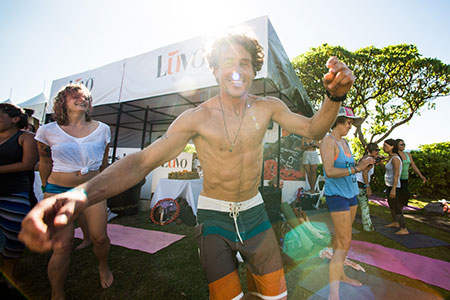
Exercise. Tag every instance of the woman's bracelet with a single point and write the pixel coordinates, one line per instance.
(349, 170)
(79, 189)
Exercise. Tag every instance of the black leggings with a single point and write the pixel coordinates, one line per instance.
(396, 207)
(394, 204)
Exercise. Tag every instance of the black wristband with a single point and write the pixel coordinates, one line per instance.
(335, 98)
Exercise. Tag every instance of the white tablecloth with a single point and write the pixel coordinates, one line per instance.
(172, 188)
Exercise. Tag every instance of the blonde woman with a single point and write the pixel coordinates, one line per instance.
(73, 150)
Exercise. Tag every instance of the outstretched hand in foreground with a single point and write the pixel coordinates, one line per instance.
(50, 215)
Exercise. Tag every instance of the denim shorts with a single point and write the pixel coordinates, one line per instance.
(339, 203)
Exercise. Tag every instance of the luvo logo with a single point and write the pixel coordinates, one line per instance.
(176, 163)
(176, 62)
(89, 83)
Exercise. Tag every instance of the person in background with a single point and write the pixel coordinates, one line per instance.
(310, 161)
(196, 165)
(340, 192)
(365, 191)
(407, 161)
(392, 182)
(73, 150)
(30, 128)
(18, 155)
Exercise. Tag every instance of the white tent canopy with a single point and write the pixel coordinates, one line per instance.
(7, 101)
(38, 104)
(140, 96)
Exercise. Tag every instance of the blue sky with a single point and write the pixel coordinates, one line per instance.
(49, 39)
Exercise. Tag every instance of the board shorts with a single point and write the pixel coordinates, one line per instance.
(225, 227)
(310, 158)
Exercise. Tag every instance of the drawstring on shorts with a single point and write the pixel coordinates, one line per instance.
(234, 213)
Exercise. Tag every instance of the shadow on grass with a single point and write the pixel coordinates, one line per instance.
(176, 273)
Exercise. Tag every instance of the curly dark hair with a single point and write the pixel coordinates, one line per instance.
(14, 111)
(60, 105)
(250, 44)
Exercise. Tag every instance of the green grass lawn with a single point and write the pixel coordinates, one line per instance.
(175, 272)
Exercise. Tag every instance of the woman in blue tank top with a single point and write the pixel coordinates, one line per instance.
(340, 192)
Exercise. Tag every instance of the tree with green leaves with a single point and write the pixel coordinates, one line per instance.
(392, 84)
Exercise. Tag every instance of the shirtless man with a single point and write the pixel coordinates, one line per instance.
(228, 132)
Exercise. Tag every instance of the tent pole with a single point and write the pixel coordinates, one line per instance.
(151, 133)
(279, 152)
(116, 136)
(145, 128)
(262, 173)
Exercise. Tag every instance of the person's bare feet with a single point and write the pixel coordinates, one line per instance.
(402, 231)
(350, 281)
(393, 224)
(58, 295)
(333, 297)
(83, 244)
(106, 277)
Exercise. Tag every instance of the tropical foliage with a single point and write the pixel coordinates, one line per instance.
(392, 84)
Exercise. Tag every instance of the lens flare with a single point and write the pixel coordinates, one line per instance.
(235, 76)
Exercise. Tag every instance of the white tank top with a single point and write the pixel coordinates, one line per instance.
(389, 175)
(359, 175)
(72, 154)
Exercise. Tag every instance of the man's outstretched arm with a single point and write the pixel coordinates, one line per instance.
(337, 82)
(52, 213)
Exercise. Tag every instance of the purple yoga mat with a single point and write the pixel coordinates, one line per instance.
(137, 239)
(383, 202)
(429, 270)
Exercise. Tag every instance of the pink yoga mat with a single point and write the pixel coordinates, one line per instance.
(137, 239)
(429, 270)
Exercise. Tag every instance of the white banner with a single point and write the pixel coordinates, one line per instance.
(104, 83)
(171, 69)
(180, 67)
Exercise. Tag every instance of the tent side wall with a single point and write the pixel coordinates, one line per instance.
(282, 74)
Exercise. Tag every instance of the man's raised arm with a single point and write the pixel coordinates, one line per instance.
(57, 211)
(337, 82)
